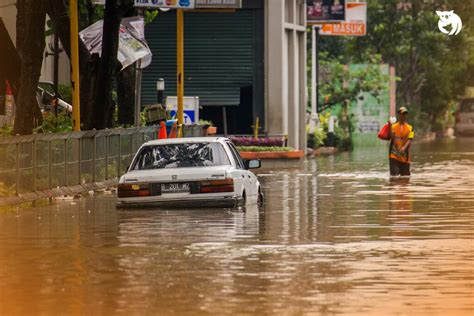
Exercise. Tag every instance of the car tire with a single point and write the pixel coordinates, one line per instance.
(260, 199)
(243, 201)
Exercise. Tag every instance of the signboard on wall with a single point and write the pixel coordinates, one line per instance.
(191, 108)
(369, 126)
(218, 4)
(325, 11)
(174, 4)
(355, 24)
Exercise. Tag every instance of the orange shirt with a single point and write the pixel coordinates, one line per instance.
(401, 133)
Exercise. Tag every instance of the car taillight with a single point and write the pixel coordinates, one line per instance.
(133, 190)
(216, 186)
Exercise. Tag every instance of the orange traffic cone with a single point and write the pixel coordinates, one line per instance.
(162, 132)
(173, 132)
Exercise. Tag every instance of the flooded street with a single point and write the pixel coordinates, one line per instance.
(337, 236)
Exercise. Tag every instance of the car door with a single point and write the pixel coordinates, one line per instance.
(239, 167)
(250, 180)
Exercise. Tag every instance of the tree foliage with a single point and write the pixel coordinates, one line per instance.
(342, 84)
(433, 68)
(97, 75)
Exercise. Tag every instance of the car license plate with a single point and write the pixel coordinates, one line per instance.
(174, 187)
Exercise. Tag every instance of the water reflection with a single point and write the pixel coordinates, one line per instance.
(335, 237)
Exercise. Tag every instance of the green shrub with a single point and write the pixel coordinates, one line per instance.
(53, 124)
(310, 141)
(319, 137)
(205, 122)
(66, 92)
(324, 120)
(6, 130)
(342, 139)
(6, 191)
(316, 139)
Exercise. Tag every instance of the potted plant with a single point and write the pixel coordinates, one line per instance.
(208, 127)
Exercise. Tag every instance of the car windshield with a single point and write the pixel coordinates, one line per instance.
(181, 156)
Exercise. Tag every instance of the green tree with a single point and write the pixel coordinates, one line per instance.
(100, 77)
(342, 85)
(433, 68)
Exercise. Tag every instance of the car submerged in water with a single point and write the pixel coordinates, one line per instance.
(190, 172)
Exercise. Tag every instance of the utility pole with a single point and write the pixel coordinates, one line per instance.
(180, 70)
(56, 66)
(76, 106)
(314, 119)
(137, 120)
(138, 94)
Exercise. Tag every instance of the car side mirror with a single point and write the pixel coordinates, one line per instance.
(254, 164)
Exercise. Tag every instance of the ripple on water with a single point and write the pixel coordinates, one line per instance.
(335, 237)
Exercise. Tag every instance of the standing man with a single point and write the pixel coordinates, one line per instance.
(401, 136)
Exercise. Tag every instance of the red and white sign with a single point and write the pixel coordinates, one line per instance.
(355, 24)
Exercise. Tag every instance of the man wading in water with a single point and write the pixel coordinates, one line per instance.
(401, 136)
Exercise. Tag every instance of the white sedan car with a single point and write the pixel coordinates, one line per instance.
(196, 172)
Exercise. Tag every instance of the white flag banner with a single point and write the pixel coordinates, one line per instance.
(132, 43)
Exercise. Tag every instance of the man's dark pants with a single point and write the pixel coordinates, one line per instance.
(398, 168)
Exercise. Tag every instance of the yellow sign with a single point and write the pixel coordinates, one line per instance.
(354, 29)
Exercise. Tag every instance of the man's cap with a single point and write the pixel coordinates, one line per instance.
(403, 110)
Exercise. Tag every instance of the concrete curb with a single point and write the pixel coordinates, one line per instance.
(56, 192)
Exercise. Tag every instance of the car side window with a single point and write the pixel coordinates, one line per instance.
(236, 155)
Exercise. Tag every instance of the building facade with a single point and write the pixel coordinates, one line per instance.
(243, 64)
(285, 70)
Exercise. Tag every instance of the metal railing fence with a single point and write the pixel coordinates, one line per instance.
(45, 162)
(47, 165)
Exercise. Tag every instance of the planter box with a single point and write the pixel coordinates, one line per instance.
(295, 154)
(210, 130)
(324, 151)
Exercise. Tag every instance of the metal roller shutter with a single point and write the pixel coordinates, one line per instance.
(222, 52)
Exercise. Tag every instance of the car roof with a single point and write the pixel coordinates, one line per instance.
(185, 140)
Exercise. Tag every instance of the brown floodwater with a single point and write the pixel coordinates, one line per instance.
(337, 236)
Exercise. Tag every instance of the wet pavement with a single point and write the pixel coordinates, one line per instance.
(335, 237)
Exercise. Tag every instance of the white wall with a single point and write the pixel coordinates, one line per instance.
(47, 70)
(285, 70)
(8, 14)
